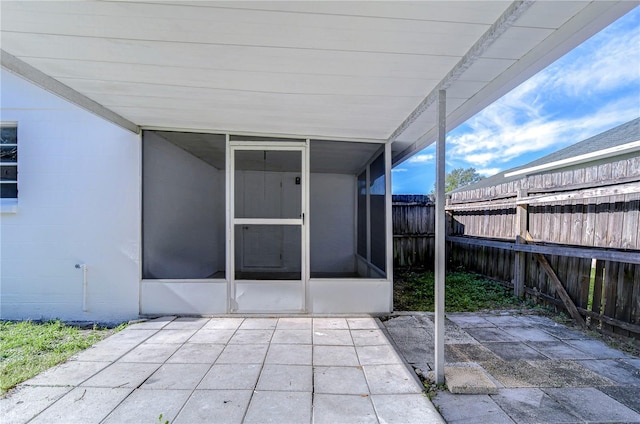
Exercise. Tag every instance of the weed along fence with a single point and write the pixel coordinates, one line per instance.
(567, 238)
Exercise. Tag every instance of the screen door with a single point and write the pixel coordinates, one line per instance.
(268, 188)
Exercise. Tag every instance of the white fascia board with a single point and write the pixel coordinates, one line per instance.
(632, 147)
(42, 80)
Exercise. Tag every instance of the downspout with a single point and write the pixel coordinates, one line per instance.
(85, 286)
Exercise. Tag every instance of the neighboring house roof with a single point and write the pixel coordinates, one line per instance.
(355, 71)
(618, 136)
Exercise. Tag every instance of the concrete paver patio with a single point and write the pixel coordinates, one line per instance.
(230, 370)
(533, 369)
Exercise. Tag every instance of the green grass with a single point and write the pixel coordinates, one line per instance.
(464, 292)
(28, 348)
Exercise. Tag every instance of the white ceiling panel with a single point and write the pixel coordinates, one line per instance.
(314, 68)
(236, 80)
(286, 61)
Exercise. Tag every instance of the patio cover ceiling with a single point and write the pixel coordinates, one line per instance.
(328, 70)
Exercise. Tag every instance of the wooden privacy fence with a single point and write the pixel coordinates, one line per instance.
(568, 239)
(413, 231)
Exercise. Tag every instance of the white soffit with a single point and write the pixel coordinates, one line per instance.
(319, 69)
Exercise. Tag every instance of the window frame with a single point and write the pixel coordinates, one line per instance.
(9, 204)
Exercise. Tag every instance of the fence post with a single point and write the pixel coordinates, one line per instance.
(520, 229)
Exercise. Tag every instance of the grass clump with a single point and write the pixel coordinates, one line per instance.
(28, 348)
(464, 292)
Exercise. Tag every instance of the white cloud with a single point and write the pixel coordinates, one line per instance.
(488, 172)
(489, 143)
(399, 170)
(421, 158)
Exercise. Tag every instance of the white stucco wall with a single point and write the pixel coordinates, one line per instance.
(79, 202)
(183, 213)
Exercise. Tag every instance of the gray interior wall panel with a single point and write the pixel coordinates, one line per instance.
(333, 235)
(183, 213)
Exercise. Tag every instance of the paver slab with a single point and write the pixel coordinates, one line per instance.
(388, 379)
(332, 337)
(151, 353)
(543, 374)
(527, 334)
(626, 395)
(563, 333)
(286, 378)
(362, 323)
(279, 407)
(378, 355)
(131, 336)
(296, 354)
(83, 405)
(533, 406)
(344, 409)
(469, 320)
(558, 350)
(223, 324)
(295, 324)
(186, 323)
(292, 336)
(251, 336)
(152, 324)
(515, 352)
(416, 335)
(104, 351)
(122, 374)
(403, 321)
(469, 353)
(330, 324)
(504, 320)
(231, 377)
(215, 406)
(70, 373)
(176, 376)
(615, 370)
(171, 336)
(469, 380)
(592, 405)
(491, 334)
(24, 403)
(402, 409)
(340, 380)
(477, 409)
(196, 353)
(259, 324)
(597, 349)
(416, 352)
(335, 355)
(145, 406)
(369, 337)
(243, 354)
(212, 336)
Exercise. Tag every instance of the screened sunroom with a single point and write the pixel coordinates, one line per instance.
(251, 224)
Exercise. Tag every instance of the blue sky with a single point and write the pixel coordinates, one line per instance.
(589, 90)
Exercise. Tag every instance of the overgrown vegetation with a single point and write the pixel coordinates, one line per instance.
(28, 348)
(464, 292)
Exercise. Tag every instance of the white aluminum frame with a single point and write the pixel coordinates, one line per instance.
(232, 221)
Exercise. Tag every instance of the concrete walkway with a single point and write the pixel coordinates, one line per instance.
(230, 370)
(524, 369)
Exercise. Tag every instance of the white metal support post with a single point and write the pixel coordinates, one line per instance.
(440, 248)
